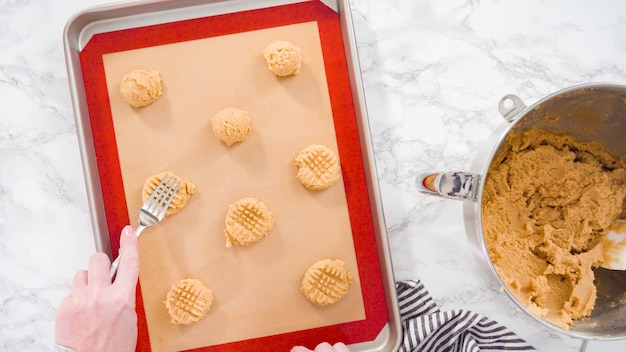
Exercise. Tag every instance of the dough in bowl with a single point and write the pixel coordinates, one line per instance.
(547, 201)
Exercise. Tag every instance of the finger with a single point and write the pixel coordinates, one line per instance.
(324, 347)
(98, 273)
(300, 349)
(80, 280)
(128, 271)
(341, 347)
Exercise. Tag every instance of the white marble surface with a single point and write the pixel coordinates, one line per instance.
(433, 73)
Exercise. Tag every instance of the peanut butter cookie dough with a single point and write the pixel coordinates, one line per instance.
(326, 282)
(318, 167)
(181, 198)
(140, 87)
(283, 58)
(231, 125)
(247, 221)
(548, 198)
(188, 301)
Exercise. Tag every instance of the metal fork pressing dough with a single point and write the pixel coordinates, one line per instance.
(153, 210)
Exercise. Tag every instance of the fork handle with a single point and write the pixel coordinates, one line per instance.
(116, 262)
(114, 266)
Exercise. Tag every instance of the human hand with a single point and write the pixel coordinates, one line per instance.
(99, 315)
(323, 347)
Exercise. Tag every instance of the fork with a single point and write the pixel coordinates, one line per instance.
(153, 210)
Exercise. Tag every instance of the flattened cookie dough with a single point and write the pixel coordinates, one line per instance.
(283, 58)
(140, 87)
(548, 198)
(181, 198)
(326, 282)
(318, 167)
(231, 125)
(247, 221)
(188, 301)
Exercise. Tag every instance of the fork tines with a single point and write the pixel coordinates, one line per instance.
(162, 195)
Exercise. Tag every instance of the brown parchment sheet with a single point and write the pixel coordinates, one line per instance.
(256, 288)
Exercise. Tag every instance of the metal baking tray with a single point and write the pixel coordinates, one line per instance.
(107, 28)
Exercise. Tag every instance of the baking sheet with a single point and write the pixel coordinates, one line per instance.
(112, 186)
(256, 287)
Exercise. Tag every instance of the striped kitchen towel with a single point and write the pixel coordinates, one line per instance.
(427, 329)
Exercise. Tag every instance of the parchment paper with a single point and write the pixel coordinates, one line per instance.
(257, 288)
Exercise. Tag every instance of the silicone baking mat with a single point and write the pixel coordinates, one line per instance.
(208, 64)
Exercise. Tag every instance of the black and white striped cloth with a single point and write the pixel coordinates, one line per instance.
(428, 329)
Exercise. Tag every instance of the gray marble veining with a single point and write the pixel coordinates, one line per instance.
(433, 72)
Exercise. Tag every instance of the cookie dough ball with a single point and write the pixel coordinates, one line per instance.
(326, 282)
(248, 220)
(231, 125)
(188, 301)
(283, 58)
(181, 198)
(140, 87)
(318, 167)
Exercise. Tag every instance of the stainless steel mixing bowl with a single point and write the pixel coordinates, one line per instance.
(590, 112)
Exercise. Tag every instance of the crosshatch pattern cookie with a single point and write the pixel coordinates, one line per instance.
(140, 87)
(326, 282)
(181, 198)
(318, 167)
(247, 221)
(231, 125)
(188, 301)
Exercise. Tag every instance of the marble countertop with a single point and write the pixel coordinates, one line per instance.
(433, 73)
